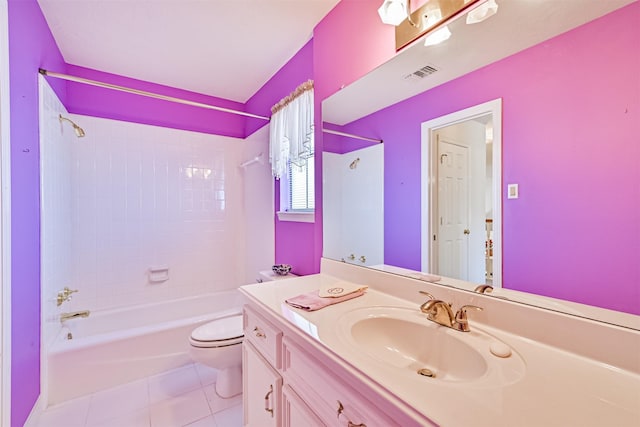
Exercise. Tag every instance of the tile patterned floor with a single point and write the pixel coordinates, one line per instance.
(182, 397)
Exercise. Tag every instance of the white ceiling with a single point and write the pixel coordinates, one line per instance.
(223, 48)
(519, 24)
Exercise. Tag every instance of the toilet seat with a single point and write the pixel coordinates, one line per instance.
(218, 333)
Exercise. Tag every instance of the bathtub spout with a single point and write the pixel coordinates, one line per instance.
(73, 315)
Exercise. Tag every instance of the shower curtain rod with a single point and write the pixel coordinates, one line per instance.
(350, 135)
(147, 94)
(176, 100)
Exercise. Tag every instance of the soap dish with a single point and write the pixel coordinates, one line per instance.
(281, 269)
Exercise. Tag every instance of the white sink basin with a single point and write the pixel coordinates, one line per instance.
(403, 340)
(415, 346)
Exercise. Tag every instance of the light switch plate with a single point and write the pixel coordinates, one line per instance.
(512, 191)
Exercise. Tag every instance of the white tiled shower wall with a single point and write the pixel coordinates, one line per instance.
(146, 197)
(56, 229)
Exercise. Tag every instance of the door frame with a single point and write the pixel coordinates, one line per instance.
(5, 221)
(429, 185)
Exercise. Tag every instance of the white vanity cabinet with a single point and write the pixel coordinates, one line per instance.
(288, 381)
(262, 388)
(261, 381)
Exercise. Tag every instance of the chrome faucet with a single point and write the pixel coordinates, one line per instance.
(73, 315)
(440, 312)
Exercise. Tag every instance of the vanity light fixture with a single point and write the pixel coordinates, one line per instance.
(482, 12)
(426, 19)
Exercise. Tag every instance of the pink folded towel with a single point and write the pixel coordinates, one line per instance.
(312, 301)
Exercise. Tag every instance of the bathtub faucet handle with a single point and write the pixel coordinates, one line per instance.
(74, 315)
(64, 295)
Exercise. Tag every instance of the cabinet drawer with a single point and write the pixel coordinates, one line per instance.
(264, 336)
(333, 398)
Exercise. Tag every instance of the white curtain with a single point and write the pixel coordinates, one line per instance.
(291, 133)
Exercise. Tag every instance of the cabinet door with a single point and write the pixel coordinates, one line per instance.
(262, 388)
(295, 412)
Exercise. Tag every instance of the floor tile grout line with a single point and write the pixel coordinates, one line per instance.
(91, 398)
(86, 416)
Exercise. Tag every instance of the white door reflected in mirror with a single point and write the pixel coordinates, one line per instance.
(461, 176)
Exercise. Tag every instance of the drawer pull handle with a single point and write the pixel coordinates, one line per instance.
(259, 333)
(340, 411)
(266, 401)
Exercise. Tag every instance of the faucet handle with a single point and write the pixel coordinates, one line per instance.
(64, 295)
(463, 309)
(427, 294)
(461, 317)
(426, 307)
(483, 289)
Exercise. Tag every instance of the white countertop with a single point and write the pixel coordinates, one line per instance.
(558, 388)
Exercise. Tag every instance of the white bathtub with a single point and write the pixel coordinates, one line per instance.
(113, 347)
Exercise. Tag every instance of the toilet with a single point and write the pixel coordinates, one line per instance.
(218, 344)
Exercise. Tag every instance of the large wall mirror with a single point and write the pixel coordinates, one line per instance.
(551, 90)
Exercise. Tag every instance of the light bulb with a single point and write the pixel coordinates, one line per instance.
(482, 12)
(437, 36)
(393, 12)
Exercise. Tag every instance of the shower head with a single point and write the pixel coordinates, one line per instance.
(354, 164)
(77, 129)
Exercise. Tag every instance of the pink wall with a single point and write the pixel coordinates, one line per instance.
(577, 122)
(31, 46)
(106, 103)
(570, 140)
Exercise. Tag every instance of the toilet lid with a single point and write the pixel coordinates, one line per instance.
(225, 331)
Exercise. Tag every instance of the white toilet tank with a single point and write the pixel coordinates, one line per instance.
(268, 276)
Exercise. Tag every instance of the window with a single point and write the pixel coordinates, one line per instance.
(297, 189)
(297, 197)
(291, 153)
(301, 189)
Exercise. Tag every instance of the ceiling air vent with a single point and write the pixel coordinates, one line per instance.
(421, 73)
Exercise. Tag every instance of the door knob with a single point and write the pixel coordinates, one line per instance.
(467, 231)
